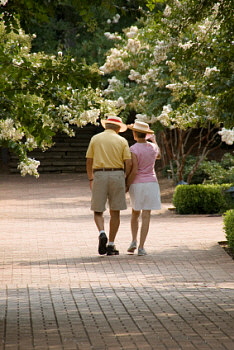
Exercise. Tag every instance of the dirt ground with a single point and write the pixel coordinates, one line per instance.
(167, 188)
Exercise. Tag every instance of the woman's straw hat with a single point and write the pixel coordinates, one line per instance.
(141, 127)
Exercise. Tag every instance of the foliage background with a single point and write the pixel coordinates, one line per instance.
(68, 62)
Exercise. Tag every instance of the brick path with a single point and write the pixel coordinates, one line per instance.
(56, 292)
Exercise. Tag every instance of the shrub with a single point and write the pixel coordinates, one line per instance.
(229, 227)
(202, 199)
(209, 171)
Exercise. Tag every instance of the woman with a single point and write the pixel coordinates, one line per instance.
(142, 182)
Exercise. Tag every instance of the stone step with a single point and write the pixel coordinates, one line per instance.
(66, 155)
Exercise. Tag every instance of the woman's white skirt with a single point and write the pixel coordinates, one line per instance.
(145, 196)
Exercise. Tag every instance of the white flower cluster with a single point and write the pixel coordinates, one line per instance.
(209, 70)
(135, 76)
(114, 61)
(47, 121)
(186, 45)
(167, 11)
(115, 19)
(160, 51)
(112, 36)
(205, 26)
(3, 2)
(29, 166)
(64, 112)
(31, 143)
(89, 116)
(151, 74)
(17, 62)
(8, 130)
(133, 45)
(174, 87)
(113, 106)
(131, 32)
(114, 84)
(143, 118)
(164, 118)
(227, 135)
(120, 104)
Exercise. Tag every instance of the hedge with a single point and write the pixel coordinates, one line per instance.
(229, 227)
(202, 199)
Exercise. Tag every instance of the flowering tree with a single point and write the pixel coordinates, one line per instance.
(175, 70)
(42, 95)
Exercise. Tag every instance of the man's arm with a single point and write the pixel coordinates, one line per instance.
(127, 167)
(89, 168)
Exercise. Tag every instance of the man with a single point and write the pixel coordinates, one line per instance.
(108, 163)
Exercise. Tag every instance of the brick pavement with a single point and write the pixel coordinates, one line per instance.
(56, 292)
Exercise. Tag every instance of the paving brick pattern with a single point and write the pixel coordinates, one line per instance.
(56, 292)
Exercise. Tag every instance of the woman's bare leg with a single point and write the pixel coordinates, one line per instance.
(135, 223)
(144, 226)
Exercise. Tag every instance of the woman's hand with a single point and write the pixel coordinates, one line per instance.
(151, 137)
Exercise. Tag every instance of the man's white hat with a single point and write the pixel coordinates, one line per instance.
(112, 119)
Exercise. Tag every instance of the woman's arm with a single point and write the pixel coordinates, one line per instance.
(151, 137)
(130, 178)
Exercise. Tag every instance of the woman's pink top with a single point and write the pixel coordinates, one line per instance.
(146, 155)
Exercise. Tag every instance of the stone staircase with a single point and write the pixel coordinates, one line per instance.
(67, 154)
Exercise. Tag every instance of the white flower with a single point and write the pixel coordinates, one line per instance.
(115, 61)
(209, 70)
(116, 18)
(29, 166)
(17, 62)
(8, 131)
(227, 135)
(160, 51)
(164, 118)
(134, 76)
(120, 103)
(90, 116)
(186, 46)
(167, 11)
(131, 32)
(114, 83)
(31, 143)
(174, 87)
(112, 36)
(142, 118)
(150, 75)
(133, 45)
(3, 2)
(60, 53)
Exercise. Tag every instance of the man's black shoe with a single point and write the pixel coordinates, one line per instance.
(110, 250)
(102, 243)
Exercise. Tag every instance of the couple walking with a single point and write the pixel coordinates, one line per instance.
(113, 169)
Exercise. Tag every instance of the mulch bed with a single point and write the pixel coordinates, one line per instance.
(228, 250)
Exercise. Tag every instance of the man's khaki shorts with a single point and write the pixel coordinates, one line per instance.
(108, 186)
